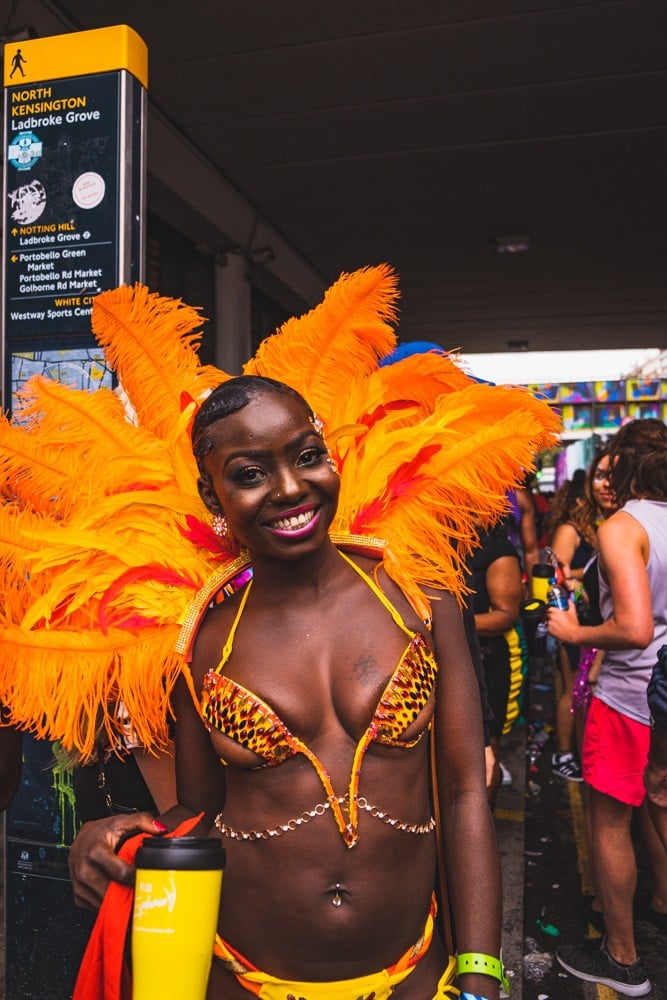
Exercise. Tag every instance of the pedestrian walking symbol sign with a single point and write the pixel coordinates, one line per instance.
(17, 64)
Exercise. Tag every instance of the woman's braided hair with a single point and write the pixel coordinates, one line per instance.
(227, 398)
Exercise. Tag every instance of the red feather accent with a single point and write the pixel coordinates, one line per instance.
(134, 622)
(204, 537)
(370, 419)
(156, 574)
(131, 488)
(367, 515)
(403, 482)
(406, 473)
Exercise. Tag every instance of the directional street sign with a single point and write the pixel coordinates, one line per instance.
(74, 177)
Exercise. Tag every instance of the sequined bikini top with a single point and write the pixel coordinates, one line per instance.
(235, 711)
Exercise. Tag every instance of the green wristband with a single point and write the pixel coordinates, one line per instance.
(487, 965)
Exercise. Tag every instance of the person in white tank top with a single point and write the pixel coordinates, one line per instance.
(633, 601)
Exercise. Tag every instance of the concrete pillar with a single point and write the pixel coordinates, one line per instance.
(233, 341)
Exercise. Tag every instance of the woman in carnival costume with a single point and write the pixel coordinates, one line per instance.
(335, 684)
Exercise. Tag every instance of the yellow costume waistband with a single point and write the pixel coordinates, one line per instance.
(376, 986)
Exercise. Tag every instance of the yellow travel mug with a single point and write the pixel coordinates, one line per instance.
(541, 576)
(175, 916)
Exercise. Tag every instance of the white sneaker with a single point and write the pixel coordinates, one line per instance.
(506, 776)
(565, 766)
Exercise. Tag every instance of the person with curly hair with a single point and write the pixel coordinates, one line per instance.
(599, 503)
(573, 542)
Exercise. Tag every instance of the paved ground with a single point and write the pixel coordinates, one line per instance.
(510, 826)
(546, 869)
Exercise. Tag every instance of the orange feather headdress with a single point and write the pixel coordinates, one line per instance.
(106, 550)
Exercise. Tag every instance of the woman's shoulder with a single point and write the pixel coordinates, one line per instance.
(622, 531)
(213, 630)
(221, 609)
(565, 530)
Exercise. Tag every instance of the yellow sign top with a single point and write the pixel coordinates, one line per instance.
(79, 53)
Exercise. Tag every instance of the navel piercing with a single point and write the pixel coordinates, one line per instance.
(337, 897)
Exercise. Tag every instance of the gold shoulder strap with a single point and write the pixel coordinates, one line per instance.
(216, 582)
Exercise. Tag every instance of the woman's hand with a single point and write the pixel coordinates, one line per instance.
(563, 625)
(93, 861)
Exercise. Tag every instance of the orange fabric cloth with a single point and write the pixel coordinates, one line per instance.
(103, 974)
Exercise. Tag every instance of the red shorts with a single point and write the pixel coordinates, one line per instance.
(615, 753)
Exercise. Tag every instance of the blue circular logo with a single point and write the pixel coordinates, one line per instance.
(24, 151)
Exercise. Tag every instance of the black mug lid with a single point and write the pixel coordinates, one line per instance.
(543, 570)
(533, 606)
(187, 853)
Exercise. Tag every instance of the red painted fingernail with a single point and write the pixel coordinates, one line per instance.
(160, 826)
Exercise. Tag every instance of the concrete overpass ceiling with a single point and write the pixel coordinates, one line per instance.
(418, 132)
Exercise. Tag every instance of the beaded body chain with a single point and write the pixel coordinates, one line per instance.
(319, 810)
